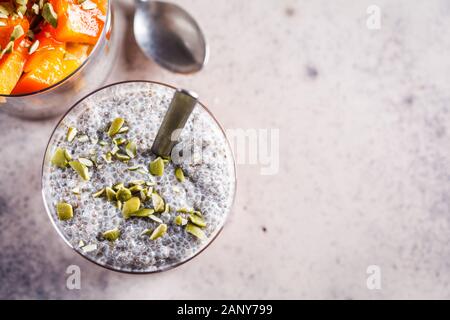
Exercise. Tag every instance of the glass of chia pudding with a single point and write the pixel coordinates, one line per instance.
(121, 206)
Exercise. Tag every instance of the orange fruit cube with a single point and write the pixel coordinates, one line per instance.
(76, 24)
(11, 68)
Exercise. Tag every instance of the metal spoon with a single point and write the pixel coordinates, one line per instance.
(170, 36)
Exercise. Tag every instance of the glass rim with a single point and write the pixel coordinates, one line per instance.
(211, 240)
(77, 70)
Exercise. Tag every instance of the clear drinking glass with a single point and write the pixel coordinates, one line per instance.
(56, 99)
(111, 96)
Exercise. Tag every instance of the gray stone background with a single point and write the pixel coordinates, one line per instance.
(364, 159)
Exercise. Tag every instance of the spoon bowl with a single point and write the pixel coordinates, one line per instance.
(170, 36)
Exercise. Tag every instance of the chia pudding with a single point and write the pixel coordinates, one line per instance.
(117, 203)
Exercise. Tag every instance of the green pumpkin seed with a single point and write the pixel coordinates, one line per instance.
(142, 213)
(197, 213)
(147, 232)
(81, 169)
(122, 157)
(123, 194)
(179, 174)
(143, 195)
(67, 155)
(71, 132)
(159, 232)
(136, 189)
(130, 207)
(114, 150)
(195, 231)
(107, 157)
(115, 127)
(21, 10)
(197, 220)
(21, 2)
(35, 8)
(119, 205)
(119, 141)
(137, 182)
(134, 168)
(83, 138)
(131, 149)
(180, 221)
(155, 218)
(4, 10)
(98, 193)
(89, 248)
(142, 171)
(158, 202)
(94, 160)
(76, 191)
(118, 186)
(49, 14)
(167, 208)
(123, 130)
(167, 159)
(110, 194)
(157, 167)
(86, 162)
(59, 158)
(17, 33)
(64, 211)
(8, 49)
(111, 235)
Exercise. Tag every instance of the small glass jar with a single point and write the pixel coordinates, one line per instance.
(56, 99)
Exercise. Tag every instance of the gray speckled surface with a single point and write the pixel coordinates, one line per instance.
(365, 163)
